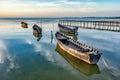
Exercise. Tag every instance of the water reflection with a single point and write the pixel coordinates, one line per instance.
(21, 57)
(78, 64)
(37, 35)
(3, 52)
(51, 36)
(7, 61)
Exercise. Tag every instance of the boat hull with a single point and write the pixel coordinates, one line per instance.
(78, 64)
(38, 29)
(67, 30)
(80, 55)
(24, 25)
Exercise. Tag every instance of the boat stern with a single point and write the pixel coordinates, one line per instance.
(93, 58)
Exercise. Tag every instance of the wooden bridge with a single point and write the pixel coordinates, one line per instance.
(100, 25)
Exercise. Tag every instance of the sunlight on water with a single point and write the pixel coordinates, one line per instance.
(23, 57)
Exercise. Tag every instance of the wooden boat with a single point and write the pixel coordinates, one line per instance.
(78, 64)
(70, 35)
(24, 25)
(77, 49)
(37, 35)
(70, 30)
(37, 28)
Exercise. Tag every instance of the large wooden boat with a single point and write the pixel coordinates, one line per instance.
(37, 28)
(78, 64)
(70, 30)
(77, 49)
(24, 25)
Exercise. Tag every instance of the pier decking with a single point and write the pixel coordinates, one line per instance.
(99, 25)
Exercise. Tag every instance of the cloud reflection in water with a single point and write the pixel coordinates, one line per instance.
(6, 58)
(50, 55)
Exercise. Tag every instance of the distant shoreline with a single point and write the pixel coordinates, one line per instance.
(26, 18)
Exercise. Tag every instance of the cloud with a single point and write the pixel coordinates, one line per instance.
(69, 2)
(56, 8)
(16, 5)
(76, 3)
(50, 4)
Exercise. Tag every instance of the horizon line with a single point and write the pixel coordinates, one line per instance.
(67, 17)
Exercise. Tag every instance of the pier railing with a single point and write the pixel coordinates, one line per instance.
(100, 25)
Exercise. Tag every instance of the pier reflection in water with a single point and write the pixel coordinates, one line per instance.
(79, 65)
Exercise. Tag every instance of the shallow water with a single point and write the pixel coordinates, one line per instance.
(22, 57)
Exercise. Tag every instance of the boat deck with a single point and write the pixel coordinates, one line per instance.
(77, 45)
(78, 48)
(68, 28)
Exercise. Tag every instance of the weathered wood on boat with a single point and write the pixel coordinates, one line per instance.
(69, 30)
(73, 36)
(77, 49)
(78, 64)
(37, 28)
(90, 24)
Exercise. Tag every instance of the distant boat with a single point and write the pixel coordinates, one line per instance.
(70, 30)
(24, 25)
(37, 28)
(77, 49)
(78, 64)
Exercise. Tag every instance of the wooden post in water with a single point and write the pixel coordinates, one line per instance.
(119, 27)
(41, 23)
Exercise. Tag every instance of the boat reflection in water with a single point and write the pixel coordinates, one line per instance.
(78, 64)
(37, 35)
(73, 36)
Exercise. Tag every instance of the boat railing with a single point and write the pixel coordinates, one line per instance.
(81, 45)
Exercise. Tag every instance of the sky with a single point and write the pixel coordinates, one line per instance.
(59, 8)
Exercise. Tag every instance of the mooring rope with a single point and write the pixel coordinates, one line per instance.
(105, 63)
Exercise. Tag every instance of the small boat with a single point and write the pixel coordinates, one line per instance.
(37, 35)
(37, 28)
(77, 49)
(70, 35)
(24, 25)
(70, 30)
(78, 64)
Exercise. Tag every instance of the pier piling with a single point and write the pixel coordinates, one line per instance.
(99, 25)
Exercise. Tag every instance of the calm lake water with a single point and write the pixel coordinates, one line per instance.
(22, 57)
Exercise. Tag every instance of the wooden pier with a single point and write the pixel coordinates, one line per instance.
(99, 25)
